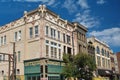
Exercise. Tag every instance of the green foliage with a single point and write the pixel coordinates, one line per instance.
(81, 65)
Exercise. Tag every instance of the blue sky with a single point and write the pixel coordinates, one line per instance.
(101, 17)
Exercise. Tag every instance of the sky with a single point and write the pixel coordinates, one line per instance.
(101, 17)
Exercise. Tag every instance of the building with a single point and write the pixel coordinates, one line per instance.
(118, 60)
(117, 64)
(115, 67)
(41, 38)
(102, 57)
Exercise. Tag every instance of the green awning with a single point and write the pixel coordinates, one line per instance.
(53, 74)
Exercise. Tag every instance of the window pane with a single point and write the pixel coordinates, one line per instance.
(64, 38)
(1, 40)
(55, 50)
(15, 37)
(19, 35)
(31, 32)
(19, 56)
(46, 30)
(4, 39)
(58, 35)
(51, 51)
(59, 53)
(36, 31)
(47, 50)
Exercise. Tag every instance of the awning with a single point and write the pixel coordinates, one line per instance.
(53, 74)
(105, 72)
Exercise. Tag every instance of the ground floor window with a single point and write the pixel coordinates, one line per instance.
(33, 78)
(53, 78)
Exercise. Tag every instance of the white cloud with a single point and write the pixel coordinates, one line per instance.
(46, 2)
(70, 5)
(86, 19)
(101, 1)
(83, 4)
(110, 36)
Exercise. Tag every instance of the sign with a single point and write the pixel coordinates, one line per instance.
(32, 63)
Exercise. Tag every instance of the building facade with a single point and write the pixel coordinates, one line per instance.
(118, 61)
(102, 58)
(41, 38)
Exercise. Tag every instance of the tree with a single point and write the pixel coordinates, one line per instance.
(85, 65)
(81, 66)
(69, 68)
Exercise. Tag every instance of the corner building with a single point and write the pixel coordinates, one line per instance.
(41, 38)
(103, 55)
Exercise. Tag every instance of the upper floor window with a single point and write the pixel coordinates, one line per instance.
(19, 56)
(63, 37)
(46, 30)
(1, 40)
(15, 36)
(0, 58)
(19, 35)
(68, 39)
(47, 50)
(5, 39)
(53, 33)
(108, 54)
(59, 53)
(3, 57)
(98, 50)
(98, 61)
(31, 32)
(36, 31)
(102, 51)
(58, 35)
(105, 53)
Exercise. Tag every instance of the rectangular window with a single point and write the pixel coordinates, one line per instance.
(19, 35)
(63, 37)
(98, 61)
(47, 50)
(68, 39)
(58, 35)
(15, 36)
(19, 56)
(31, 32)
(64, 49)
(54, 33)
(59, 53)
(69, 50)
(5, 39)
(103, 62)
(36, 31)
(3, 57)
(55, 50)
(1, 40)
(0, 58)
(46, 30)
(51, 52)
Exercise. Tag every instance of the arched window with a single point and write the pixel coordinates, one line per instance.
(98, 50)
(107, 53)
(102, 51)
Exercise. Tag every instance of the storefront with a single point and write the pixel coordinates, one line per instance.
(106, 73)
(32, 70)
(38, 68)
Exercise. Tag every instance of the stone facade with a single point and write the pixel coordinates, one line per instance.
(103, 55)
(43, 36)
